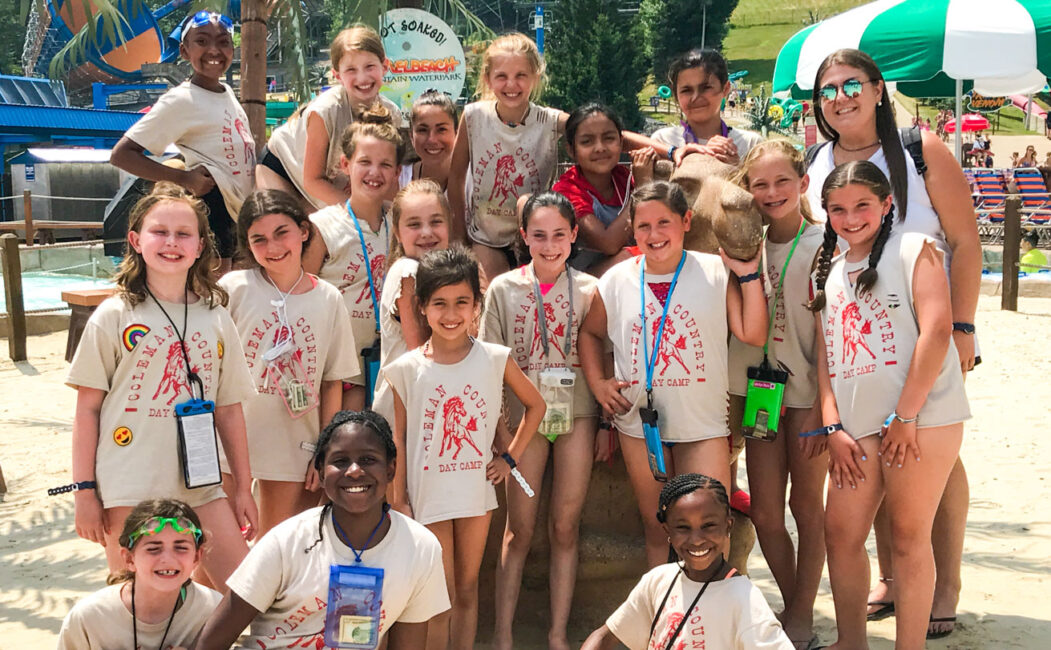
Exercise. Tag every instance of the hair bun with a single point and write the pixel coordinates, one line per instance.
(377, 113)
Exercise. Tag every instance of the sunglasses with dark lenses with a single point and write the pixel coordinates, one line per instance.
(204, 17)
(851, 88)
(156, 525)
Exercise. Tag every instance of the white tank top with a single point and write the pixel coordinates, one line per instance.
(392, 340)
(451, 415)
(870, 339)
(690, 374)
(793, 336)
(919, 214)
(507, 162)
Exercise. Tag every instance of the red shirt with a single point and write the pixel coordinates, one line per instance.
(585, 198)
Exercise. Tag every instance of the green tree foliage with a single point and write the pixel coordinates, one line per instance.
(594, 53)
(12, 34)
(675, 26)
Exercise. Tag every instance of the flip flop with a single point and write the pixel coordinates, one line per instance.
(885, 610)
(944, 633)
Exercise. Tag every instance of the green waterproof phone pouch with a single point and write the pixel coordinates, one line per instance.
(763, 402)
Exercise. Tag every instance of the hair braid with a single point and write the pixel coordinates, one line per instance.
(683, 484)
(868, 277)
(824, 265)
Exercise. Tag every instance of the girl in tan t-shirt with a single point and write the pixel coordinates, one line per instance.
(447, 397)
(549, 289)
(775, 174)
(891, 394)
(351, 240)
(164, 339)
(153, 602)
(298, 343)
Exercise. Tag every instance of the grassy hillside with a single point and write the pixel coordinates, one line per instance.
(759, 28)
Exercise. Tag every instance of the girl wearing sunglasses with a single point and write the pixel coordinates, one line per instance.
(854, 112)
(152, 603)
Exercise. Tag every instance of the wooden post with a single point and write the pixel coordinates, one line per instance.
(1012, 240)
(16, 310)
(27, 202)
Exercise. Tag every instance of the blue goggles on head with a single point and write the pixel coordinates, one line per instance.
(204, 17)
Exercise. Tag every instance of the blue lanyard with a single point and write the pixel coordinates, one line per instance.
(368, 263)
(651, 364)
(343, 536)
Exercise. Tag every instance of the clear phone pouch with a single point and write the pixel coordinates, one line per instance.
(355, 599)
(556, 387)
(284, 369)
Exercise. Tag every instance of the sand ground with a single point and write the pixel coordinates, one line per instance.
(45, 568)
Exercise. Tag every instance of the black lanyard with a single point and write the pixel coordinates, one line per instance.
(135, 621)
(191, 376)
(686, 613)
(541, 316)
(343, 536)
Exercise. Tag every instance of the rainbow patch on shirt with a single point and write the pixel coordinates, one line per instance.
(132, 335)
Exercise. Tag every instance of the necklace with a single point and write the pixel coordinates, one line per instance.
(848, 149)
(135, 621)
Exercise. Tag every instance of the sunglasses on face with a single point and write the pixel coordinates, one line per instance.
(157, 524)
(204, 17)
(851, 88)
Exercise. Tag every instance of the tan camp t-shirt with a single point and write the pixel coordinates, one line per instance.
(510, 318)
(288, 584)
(102, 622)
(451, 412)
(279, 446)
(793, 337)
(133, 354)
(345, 268)
(731, 615)
(289, 141)
(690, 372)
(209, 129)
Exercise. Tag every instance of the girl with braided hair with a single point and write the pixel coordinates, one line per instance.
(891, 389)
(700, 601)
(282, 588)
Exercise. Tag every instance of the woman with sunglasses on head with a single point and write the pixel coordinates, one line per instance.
(854, 112)
(152, 603)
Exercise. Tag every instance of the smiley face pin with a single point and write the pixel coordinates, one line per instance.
(122, 436)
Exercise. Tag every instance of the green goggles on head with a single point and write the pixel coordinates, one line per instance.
(157, 524)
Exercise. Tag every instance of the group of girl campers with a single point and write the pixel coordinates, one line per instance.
(367, 525)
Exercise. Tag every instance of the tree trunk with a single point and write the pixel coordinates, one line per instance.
(253, 67)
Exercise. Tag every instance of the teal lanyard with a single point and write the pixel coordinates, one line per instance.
(652, 363)
(780, 283)
(368, 263)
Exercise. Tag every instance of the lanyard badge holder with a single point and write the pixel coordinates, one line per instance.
(371, 354)
(556, 384)
(649, 416)
(194, 419)
(284, 364)
(764, 399)
(355, 598)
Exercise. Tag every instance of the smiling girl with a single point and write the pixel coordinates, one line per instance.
(299, 347)
(302, 156)
(153, 603)
(702, 602)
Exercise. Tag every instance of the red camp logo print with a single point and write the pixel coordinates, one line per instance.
(673, 621)
(456, 432)
(173, 379)
(376, 264)
(553, 333)
(669, 350)
(854, 332)
(503, 185)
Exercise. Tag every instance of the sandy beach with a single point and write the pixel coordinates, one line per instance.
(45, 568)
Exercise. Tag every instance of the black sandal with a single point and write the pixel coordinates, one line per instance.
(943, 633)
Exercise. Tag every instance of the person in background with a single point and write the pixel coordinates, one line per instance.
(1033, 259)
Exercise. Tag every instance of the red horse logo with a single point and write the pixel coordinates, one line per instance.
(674, 619)
(377, 263)
(173, 379)
(246, 139)
(503, 185)
(854, 332)
(553, 334)
(669, 352)
(454, 431)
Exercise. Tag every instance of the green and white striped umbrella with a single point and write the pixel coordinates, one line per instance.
(1002, 46)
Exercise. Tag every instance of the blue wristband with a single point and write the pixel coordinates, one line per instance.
(823, 431)
(748, 278)
(507, 459)
(671, 152)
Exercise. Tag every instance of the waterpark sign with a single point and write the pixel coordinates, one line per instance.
(422, 53)
(977, 103)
